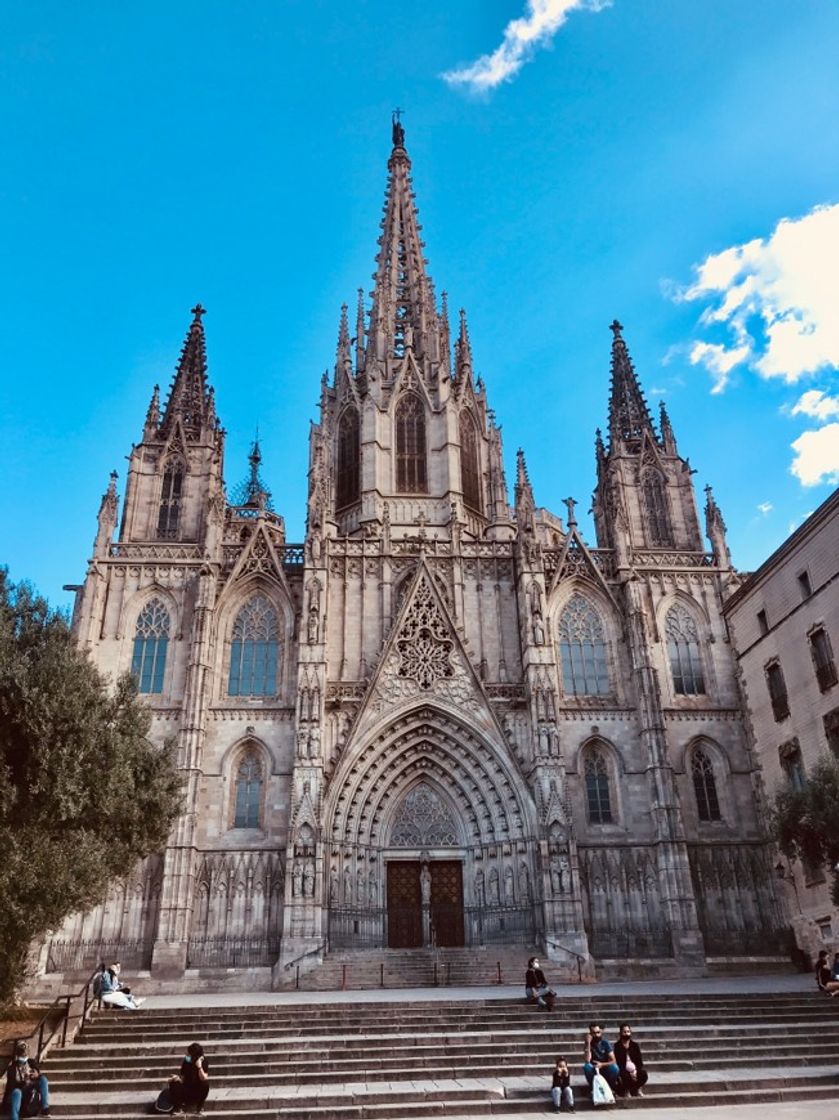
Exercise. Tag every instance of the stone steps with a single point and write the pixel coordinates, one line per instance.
(409, 1060)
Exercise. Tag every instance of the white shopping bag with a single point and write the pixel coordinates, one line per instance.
(600, 1091)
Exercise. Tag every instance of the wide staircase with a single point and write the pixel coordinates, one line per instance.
(401, 1059)
(420, 968)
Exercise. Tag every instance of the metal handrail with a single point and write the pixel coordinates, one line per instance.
(63, 1019)
(580, 956)
(308, 953)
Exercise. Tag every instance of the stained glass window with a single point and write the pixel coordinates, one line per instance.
(151, 641)
(248, 793)
(598, 797)
(347, 475)
(705, 786)
(582, 647)
(254, 650)
(470, 463)
(411, 475)
(684, 653)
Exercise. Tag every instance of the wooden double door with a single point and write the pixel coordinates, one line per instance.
(411, 923)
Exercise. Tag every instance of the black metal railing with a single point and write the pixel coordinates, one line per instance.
(432, 926)
(76, 955)
(232, 952)
(617, 944)
(59, 1016)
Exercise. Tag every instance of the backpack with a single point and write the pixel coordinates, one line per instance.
(164, 1102)
(31, 1103)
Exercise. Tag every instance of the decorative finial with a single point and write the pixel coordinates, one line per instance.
(197, 312)
(570, 503)
(615, 327)
(398, 130)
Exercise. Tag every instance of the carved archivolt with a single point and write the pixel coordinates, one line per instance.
(431, 747)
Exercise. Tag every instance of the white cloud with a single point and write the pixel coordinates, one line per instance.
(817, 404)
(718, 360)
(522, 36)
(817, 456)
(777, 298)
(765, 507)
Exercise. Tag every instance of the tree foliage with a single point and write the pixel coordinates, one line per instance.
(84, 794)
(806, 821)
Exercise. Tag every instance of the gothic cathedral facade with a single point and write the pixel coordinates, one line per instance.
(444, 719)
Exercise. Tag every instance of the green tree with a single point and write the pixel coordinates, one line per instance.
(806, 820)
(84, 794)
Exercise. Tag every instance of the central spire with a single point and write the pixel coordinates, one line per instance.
(629, 416)
(403, 314)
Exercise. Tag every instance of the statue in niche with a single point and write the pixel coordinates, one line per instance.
(494, 898)
(509, 894)
(372, 888)
(524, 883)
(361, 888)
(309, 880)
(333, 885)
(302, 743)
(538, 629)
(425, 885)
(479, 889)
(314, 742)
(297, 880)
(312, 625)
(347, 887)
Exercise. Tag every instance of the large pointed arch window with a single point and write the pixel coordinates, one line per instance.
(598, 793)
(470, 463)
(582, 647)
(248, 801)
(169, 511)
(684, 652)
(347, 473)
(151, 642)
(655, 509)
(705, 786)
(411, 474)
(254, 650)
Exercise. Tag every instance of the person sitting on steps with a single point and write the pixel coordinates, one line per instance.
(633, 1076)
(24, 1084)
(536, 986)
(192, 1084)
(112, 991)
(561, 1092)
(600, 1057)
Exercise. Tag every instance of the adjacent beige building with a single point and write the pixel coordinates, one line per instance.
(784, 623)
(445, 718)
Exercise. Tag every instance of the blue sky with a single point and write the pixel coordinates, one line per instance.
(633, 159)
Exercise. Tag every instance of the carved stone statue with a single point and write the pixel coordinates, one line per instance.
(333, 885)
(425, 885)
(314, 742)
(538, 629)
(312, 625)
(309, 880)
(297, 880)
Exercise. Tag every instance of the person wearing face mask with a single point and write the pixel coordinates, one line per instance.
(536, 986)
(633, 1076)
(27, 1089)
(192, 1084)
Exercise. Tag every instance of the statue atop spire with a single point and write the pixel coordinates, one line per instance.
(398, 131)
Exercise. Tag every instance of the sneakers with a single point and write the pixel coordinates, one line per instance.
(139, 1002)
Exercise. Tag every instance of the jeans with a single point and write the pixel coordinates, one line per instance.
(562, 1097)
(539, 993)
(611, 1072)
(16, 1097)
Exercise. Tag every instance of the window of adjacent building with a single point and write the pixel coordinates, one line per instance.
(254, 650)
(821, 652)
(683, 650)
(705, 786)
(411, 476)
(248, 792)
(151, 641)
(792, 764)
(470, 463)
(762, 624)
(777, 690)
(804, 584)
(598, 796)
(655, 509)
(831, 730)
(347, 473)
(825, 928)
(169, 512)
(582, 648)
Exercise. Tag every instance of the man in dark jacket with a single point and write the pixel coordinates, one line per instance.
(23, 1082)
(633, 1076)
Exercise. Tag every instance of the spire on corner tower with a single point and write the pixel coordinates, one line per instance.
(189, 397)
(666, 429)
(715, 530)
(629, 416)
(152, 415)
(359, 332)
(524, 491)
(343, 359)
(462, 350)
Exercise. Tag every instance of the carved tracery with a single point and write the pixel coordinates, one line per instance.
(423, 820)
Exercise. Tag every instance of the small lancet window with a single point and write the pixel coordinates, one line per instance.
(347, 473)
(411, 476)
(582, 647)
(169, 513)
(248, 792)
(655, 509)
(470, 463)
(151, 641)
(705, 786)
(684, 652)
(598, 795)
(254, 650)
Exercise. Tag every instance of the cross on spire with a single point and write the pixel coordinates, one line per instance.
(397, 128)
(198, 311)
